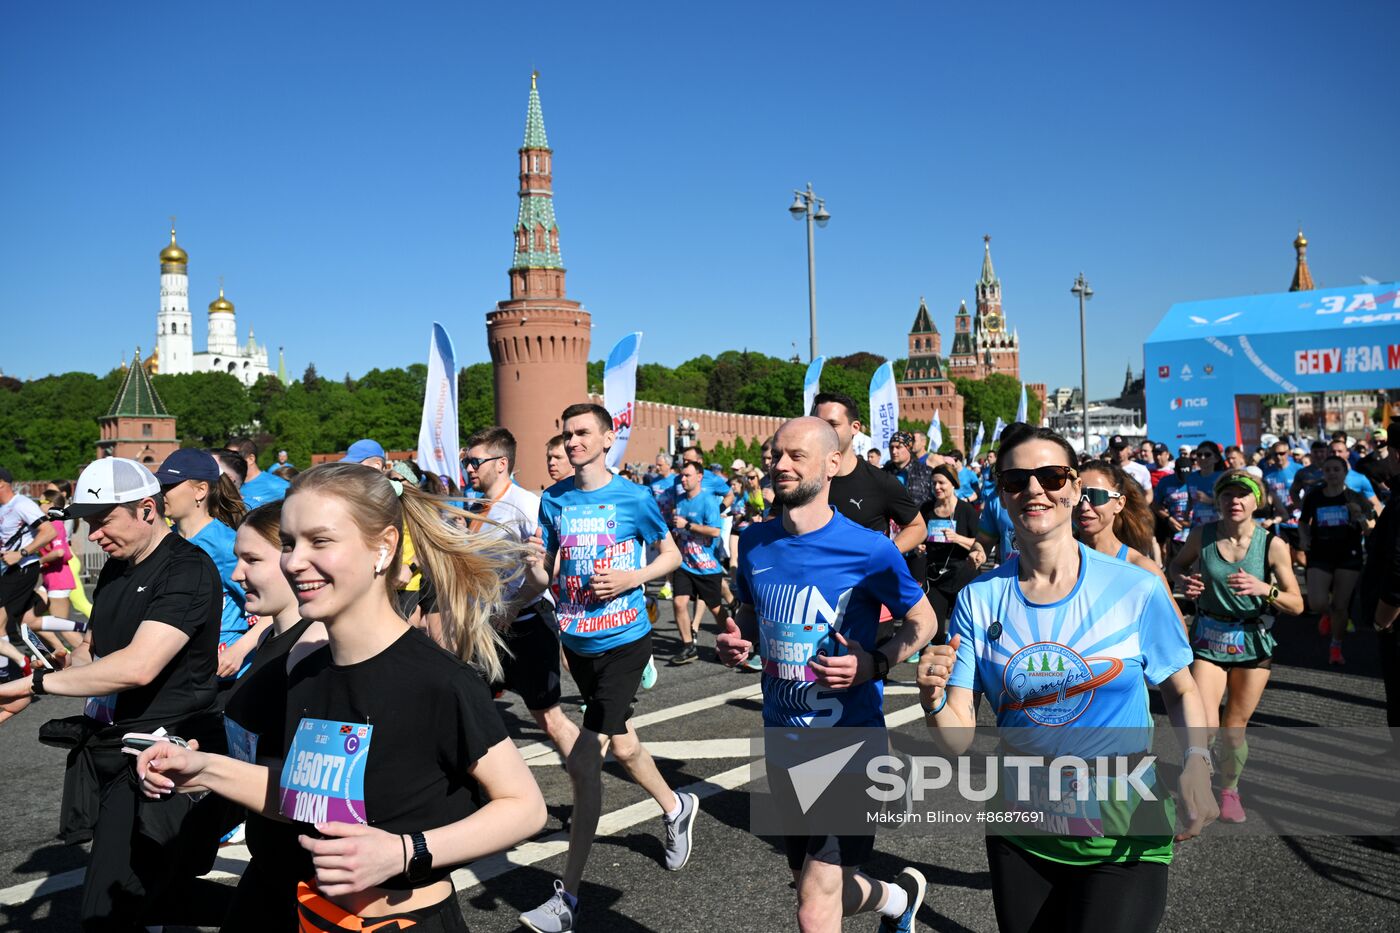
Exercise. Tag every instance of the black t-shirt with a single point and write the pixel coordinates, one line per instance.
(433, 719)
(178, 585)
(872, 498)
(943, 555)
(1334, 533)
(1381, 472)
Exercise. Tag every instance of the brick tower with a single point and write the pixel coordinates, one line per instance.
(539, 338)
(925, 387)
(137, 426)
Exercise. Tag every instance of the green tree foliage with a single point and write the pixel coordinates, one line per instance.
(997, 396)
(209, 407)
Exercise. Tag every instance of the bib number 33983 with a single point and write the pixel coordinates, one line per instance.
(323, 777)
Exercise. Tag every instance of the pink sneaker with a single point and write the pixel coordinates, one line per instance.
(1231, 810)
(1334, 654)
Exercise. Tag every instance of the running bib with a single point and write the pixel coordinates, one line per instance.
(242, 744)
(939, 529)
(788, 647)
(323, 778)
(1333, 516)
(1065, 816)
(103, 708)
(1217, 636)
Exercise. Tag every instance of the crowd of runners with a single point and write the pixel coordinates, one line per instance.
(235, 653)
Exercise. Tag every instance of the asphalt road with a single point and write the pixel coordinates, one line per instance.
(697, 721)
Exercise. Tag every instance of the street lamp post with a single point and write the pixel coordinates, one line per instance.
(1084, 292)
(808, 205)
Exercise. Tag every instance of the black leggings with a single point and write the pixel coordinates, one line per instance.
(1036, 895)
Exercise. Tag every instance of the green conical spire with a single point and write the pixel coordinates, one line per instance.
(534, 119)
(989, 277)
(281, 367)
(923, 322)
(137, 398)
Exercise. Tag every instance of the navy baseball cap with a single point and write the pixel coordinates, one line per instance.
(362, 450)
(188, 463)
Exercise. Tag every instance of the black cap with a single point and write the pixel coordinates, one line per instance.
(1116, 442)
(188, 463)
(6, 476)
(1160, 449)
(1184, 464)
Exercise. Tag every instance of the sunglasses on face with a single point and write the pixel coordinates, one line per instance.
(1203, 455)
(1097, 497)
(1050, 478)
(476, 462)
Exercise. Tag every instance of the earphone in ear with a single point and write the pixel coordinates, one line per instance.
(383, 559)
(146, 515)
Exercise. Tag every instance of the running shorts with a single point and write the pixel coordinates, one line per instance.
(1031, 893)
(1331, 563)
(705, 587)
(530, 667)
(846, 851)
(1231, 641)
(608, 683)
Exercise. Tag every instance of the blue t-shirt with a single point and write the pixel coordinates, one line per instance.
(663, 489)
(805, 587)
(967, 483)
(1357, 482)
(995, 520)
(1203, 509)
(264, 488)
(710, 482)
(988, 482)
(1279, 480)
(1175, 495)
(1080, 660)
(698, 553)
(216, 540)
(605, 528)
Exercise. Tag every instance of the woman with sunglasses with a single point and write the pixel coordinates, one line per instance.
(1202, 483)
(1063, 641)
(396, 765)
(1330, 528)
(1236, 561)
(205, 507)
(1113, 518)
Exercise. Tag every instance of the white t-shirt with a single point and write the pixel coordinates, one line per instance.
(19, 512)
(518, 510)
(1139, 472)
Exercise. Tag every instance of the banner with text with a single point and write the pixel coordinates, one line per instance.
(811, 383)
(439, 447)
(884, 407)
(620, 392)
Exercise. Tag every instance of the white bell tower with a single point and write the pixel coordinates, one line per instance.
(174, 342)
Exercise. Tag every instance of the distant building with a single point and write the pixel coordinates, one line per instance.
(982, 344)
(926, 388)
(174, 340)
(137, 426)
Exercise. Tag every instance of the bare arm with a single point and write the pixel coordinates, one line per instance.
(514, 811)
(911, 535)
(1188, 715)
(1290, 595)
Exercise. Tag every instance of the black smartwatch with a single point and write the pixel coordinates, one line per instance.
(36, 686)
(420, 863)
(882, 665)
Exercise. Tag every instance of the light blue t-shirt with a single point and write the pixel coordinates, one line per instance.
(988, 482)
(698, 553)
(1175, 495)
(1357, 482)
(995, 520)
(1080, 660)
(593, 530)
(1203, 509)
(805, 587)
(663, 489)
(967, 483)
(216, 540)
(1279, 480)
(710, 482)
(265, 488)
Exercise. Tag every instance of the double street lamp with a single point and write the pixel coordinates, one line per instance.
(808, 205)
(1082, 290)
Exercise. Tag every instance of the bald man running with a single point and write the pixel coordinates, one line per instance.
(823, 669)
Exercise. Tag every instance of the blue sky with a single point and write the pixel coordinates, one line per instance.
(349, 168)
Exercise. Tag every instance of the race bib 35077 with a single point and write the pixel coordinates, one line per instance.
(323, 777)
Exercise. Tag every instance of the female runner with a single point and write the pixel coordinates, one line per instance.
(1230, 635)
(397, 765)
(1330, 528)
(1055, 616)
(1113, 519)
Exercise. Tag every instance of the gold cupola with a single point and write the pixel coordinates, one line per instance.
(173, 255)
(221, 305)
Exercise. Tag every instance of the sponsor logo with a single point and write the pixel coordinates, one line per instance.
(1208, 369)
(1190, 424)
(1179, 403)
(1186, 373)
(1197, 321)
(1164, 372)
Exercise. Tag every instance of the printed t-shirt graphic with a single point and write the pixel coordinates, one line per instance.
(1079, 662)
(1279, 480)
(803, 589)
(697, 551)
(1202, 509)
(600, 529)
(663, 489)
(1175, 496)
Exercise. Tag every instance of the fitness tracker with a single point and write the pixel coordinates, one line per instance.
(420, 863)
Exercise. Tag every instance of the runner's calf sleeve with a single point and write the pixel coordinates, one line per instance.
(1232, 759)
(58, 624)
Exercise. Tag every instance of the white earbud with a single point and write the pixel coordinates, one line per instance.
(383, 559)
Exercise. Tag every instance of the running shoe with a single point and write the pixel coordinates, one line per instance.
(1231, 810)
(1324, 625)
(555, 915)
(1334, 654)
(685, 655)
(665, 591)
(678, 832)
(754, 663)
(649, 674)
(914, 885)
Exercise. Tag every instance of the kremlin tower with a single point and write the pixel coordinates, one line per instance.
(174, 344)
(539, 339)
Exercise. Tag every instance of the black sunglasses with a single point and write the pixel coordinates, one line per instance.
(1050, 478)
(1202, 454)
(476, 462)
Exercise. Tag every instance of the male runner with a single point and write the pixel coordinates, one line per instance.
(149, 660)
(556, 462)
(260, 486)
(827, 561)
(531, 666)
(1121, 452)
(23, 532)
(663, 488)
(696, 520)
(1380, 466)
(596, 525)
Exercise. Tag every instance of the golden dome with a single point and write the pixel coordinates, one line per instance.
(1301, 242)
(173, 254)
(221, 304)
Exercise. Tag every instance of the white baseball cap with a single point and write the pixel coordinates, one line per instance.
(111, 481)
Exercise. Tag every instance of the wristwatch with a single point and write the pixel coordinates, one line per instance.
(882, 665)
(420, 863)
(36, 686)
(1273, 595)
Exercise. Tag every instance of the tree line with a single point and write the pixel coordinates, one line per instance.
(48, 428)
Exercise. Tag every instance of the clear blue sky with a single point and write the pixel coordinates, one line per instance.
(350, 168)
